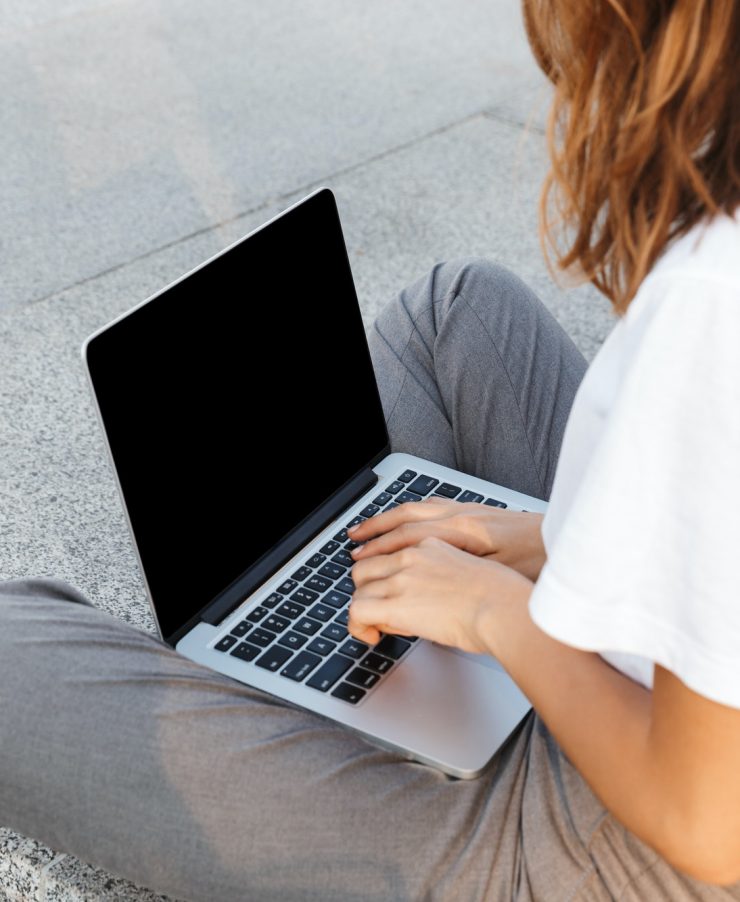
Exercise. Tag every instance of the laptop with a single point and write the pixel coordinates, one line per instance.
(246, 432)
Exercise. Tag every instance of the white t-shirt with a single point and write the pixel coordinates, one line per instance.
(643, 529)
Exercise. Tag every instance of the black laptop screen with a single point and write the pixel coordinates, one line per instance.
(235, 403)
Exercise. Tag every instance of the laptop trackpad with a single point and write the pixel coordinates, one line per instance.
(483, 660)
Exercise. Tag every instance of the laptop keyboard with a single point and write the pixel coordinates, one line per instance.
(299, 630)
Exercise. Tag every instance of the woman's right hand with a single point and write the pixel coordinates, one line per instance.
(513, 538)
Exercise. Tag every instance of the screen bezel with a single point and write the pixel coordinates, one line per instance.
(272, 560)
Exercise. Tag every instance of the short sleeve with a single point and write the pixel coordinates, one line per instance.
(645, 562)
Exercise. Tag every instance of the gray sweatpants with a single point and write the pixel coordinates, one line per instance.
(116, 749)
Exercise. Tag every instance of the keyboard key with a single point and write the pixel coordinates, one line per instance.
(300, 667)
(389, 507)
(370, 511)
(341, 536)
(261, 637)
(353, 649)
(276, 624)
(350, 546)
(342, 618)
(332, 570)
(355, 520)
(290, 609)
(407, 496)
(322, 612)
(245, 652)
(241, 629)
(274, 658)
(363, 678)
(316, 560)
(470, 496)
(225, 643)
(292, 640)
(287, 587)
(392, 647)
(323, 646)
(447, 490)
(257, 614)
(306, 626)
(376, 663)
(330, 547)
(395, 487)
(304, 596)
(345, 585)
(348, 693)
(336, 599)
(423, 485)
(272, 600)
(492, 502)
(383, 498)
(335, 631)
(320, 583)
(302, 573)
(406, 476)
(329, 673)
(343, 558)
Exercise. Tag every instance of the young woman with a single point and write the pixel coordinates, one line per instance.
(618, 615)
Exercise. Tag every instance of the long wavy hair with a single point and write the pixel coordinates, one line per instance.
(644, 131)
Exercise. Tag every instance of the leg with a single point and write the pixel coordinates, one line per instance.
(118, 750)
(476, 374)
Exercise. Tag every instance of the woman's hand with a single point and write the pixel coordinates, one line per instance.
(513, 538)
(433, 590)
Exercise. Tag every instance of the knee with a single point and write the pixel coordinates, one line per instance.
(483, 283)
(42, 589)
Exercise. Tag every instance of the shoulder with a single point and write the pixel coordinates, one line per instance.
(709, 252)
(694, 285)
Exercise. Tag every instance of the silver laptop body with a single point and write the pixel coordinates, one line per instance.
(202, 399)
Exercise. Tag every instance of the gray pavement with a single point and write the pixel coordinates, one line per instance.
(139, 138)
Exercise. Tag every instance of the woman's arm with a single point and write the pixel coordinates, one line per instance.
(664, 763)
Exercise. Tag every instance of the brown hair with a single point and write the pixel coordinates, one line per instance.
(644, 131)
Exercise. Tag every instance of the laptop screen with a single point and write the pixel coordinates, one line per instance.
(235, 402)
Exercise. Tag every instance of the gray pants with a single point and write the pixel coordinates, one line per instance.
(118, 750)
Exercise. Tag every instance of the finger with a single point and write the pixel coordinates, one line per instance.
(368, 617)
(376, 568)
(367, 634)
(408, 533)
(410, 511)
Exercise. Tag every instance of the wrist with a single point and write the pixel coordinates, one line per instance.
(536, 555)
(501, 608)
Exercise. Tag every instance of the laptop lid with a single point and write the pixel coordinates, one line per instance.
(235, 403)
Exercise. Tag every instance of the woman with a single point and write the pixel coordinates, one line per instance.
(622, 626)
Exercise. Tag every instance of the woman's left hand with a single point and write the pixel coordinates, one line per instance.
(435, 591)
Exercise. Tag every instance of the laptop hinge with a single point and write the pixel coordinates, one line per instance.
(222, 606)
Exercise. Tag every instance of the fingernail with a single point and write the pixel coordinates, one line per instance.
(352, 528)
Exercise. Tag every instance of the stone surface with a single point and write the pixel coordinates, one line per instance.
(72, 881)
(129, 125)
(23, 864)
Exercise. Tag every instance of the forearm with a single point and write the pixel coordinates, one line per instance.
(600, 718)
